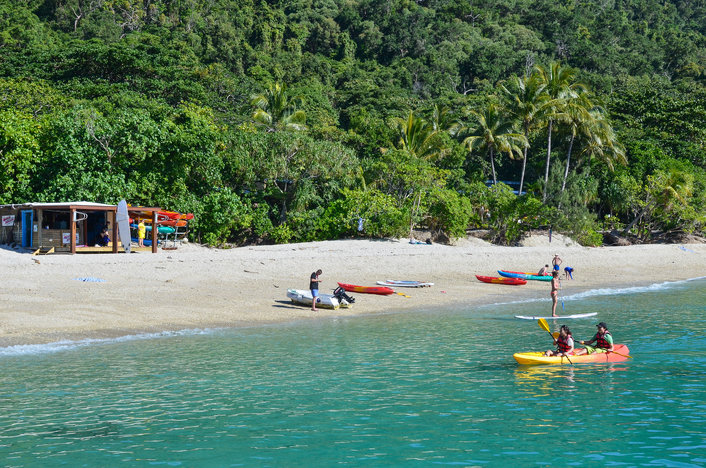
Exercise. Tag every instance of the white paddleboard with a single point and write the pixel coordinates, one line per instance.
(562, 317)
(123, 225)
(405, 284)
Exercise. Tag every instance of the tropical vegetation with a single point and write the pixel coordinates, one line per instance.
(305, 120)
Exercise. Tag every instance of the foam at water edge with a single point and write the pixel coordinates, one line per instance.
(64, 345)
(609, 291)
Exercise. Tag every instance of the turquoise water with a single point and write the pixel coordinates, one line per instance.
(416, 389)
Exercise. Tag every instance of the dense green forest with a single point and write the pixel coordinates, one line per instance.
(283, 121)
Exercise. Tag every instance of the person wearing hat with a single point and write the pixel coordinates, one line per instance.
(602, 338)
(556, 261)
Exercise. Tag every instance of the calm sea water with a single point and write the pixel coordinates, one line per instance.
(414, 389)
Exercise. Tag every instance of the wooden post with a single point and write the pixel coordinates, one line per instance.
(72, 221)
(40, 221)
(155, 228)
(115, 230)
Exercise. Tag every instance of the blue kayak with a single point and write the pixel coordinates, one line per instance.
(525, 276)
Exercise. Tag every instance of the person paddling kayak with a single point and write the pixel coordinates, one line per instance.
(564, 343)
(602, 338)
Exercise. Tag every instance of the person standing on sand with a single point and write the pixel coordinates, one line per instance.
(141, 229)
(556, 261)
(314, 287)
(555, 291)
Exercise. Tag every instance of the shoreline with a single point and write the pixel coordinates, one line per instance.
(201, 288)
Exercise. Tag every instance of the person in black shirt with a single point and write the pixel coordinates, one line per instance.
(314, 287)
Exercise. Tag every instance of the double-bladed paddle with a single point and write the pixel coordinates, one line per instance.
(545, 326)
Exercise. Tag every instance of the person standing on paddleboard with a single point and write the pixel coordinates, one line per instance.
(603, 339)
(314, 287)
(555, 291)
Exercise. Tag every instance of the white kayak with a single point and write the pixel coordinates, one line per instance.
(561, 317)
(326, 301)
(405, 284)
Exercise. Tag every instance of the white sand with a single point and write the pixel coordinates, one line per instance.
(197, 287)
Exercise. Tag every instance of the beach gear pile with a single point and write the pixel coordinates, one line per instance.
(172, 226)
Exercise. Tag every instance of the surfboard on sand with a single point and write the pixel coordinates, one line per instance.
(561, 317)
(123, 225)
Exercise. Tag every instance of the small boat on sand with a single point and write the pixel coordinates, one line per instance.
(498, 280)
(326, 301)
(525, 276)
(380, 290)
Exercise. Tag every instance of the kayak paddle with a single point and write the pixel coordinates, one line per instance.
(545, 326)
(403, 294)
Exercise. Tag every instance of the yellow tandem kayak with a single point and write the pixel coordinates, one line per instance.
(538, 358)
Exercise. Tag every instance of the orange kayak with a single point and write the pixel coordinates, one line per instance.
(381, 290)
(498, 280)
(536, 358)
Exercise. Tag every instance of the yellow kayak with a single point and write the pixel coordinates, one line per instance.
(538, 358)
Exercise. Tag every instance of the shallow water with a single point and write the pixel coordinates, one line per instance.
(417, 388)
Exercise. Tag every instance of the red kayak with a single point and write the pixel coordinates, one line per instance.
(381, 290)
(498, 280)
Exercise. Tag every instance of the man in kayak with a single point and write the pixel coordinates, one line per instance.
(314, 287)
(602, 338)
(564, 343)
(555, 291)
(544, 271)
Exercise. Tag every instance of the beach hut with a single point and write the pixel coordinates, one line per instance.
(66, 227)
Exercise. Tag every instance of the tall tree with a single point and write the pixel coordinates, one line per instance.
(525, 101)
(577, 118)
(559, 85)
(276, 110)
(492, 132)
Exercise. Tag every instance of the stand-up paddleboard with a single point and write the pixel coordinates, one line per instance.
(562, 317)
(123, 225)
(405, 284)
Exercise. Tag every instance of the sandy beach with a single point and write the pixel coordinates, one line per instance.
(199, 287)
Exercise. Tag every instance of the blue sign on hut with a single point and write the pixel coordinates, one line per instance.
(74, 227)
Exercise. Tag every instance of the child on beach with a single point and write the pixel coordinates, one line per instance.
(141, 229)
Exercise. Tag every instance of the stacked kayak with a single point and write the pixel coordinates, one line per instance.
(525, 276)
(497, 280)
(538, 358)
(380, 290)
(160, 229)
(326, 301)
(405, 284)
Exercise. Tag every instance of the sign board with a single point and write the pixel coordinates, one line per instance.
(65, 237)
(8, 220)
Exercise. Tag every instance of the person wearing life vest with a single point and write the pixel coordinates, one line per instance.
(564, 343)
(602, 338)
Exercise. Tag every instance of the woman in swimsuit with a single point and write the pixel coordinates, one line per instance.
(555, 291)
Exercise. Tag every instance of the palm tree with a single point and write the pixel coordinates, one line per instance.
(578, 116)
(525, 101)
(602, 142)
(559, 85)
(494, 134)
(276, 110)
(443, 120)
(418, 137)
